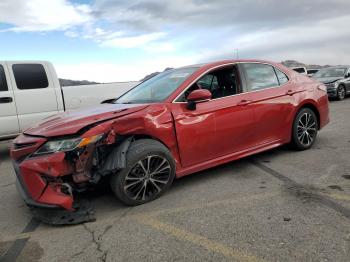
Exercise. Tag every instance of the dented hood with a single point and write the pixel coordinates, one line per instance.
(69, 123)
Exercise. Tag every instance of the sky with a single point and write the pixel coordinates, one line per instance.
(111, 40)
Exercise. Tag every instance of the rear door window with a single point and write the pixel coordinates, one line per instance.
(3, 83)
(260, 76)
(30, 76)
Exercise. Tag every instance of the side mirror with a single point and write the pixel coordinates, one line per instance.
(197, 96)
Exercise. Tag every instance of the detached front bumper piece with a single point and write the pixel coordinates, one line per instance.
(83, 213)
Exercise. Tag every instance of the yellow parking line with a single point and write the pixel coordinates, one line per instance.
(15, 237)
(196, 239)
(242, 199)
(338, 196)
(239, 200)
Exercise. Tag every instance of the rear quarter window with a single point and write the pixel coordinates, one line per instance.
(260, 76)
(282, 77)
(3, 83)
(30, 76)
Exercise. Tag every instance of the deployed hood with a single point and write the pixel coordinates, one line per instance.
(327, 80)
(69, 123)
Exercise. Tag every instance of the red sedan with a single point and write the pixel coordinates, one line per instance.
(179, 122)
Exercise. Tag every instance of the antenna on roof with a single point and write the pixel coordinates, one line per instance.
(236, 52)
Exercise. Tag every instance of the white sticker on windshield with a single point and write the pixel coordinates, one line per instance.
(179, 75)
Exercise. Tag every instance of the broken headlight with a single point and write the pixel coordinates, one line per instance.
(63, 145)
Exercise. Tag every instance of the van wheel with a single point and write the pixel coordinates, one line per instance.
(149, 172)
(305, 128)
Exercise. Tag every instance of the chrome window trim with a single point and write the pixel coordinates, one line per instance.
(223, 65)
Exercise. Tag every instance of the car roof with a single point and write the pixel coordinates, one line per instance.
(229, 61)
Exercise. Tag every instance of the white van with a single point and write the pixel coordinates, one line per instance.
(301, 70)
(30, 91)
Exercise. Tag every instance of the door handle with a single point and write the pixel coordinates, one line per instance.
(4, 100)
(244, 102)
(290, 92)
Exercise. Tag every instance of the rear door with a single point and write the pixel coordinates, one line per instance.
(34, 91)
(8, 113)
(272, 95)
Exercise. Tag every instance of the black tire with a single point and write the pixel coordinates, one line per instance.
(341, 93)
(305, 127)
(134, 176)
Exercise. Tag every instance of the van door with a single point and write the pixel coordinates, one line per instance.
(34, 91)
(8, 113)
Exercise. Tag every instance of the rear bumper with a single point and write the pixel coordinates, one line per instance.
(323, 108)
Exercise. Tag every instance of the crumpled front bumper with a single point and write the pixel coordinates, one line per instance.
(35, 190)
(44, 182)
(52, 206)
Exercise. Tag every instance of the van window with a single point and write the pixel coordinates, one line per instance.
(3, 83)
(300, 70)
(260, 76)
(30, 76)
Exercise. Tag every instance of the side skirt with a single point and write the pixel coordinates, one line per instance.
(228, 158)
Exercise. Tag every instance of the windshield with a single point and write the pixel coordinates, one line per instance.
(330, 72)
(157, 88)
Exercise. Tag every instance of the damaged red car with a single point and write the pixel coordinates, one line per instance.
(179, 122)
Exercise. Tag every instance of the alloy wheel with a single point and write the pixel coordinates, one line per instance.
(306, 129)
(341, 93)
(147, 177)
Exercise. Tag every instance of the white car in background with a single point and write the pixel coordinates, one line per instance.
(311, 72)
(30, 91)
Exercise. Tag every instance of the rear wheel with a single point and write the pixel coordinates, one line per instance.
(149, 172)
(305, 128)
(341, 92)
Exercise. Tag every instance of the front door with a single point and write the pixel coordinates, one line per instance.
(218, 127)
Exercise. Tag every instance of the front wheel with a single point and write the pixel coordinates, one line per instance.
(305, 128)
(341, 92)
(149, 172)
